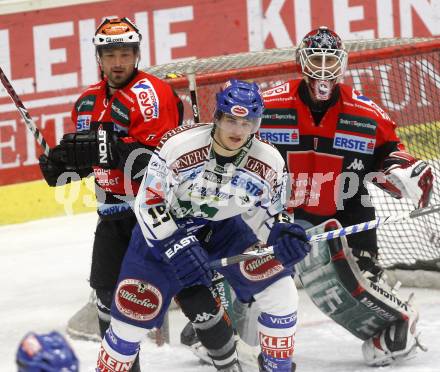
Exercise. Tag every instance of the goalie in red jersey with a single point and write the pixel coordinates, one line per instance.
(334, 139)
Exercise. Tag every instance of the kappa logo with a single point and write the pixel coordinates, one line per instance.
(204, 317)
(356, 165)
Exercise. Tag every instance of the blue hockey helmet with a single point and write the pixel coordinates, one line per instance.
(45, 353)
(240, 99)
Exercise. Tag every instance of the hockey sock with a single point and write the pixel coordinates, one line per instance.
(276, 334)
(211, 323)
(116, 354)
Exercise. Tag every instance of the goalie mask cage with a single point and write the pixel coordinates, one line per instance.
(401, 75)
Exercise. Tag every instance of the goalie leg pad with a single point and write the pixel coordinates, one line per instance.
(397, 342)
(211, 324)
(334, 282)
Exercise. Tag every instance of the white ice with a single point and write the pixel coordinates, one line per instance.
(44, 267)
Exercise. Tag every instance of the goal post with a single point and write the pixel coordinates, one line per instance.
(401, 75)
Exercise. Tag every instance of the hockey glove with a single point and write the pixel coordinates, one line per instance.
(189, 260)
(51, 169)
(90, 148)
(290, 243)
(408, 177)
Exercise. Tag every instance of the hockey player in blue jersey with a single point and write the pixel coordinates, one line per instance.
(210, 191)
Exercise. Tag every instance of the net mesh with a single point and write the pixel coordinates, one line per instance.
(400, 75)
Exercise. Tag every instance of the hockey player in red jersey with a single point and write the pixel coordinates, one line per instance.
(332, 138)
(119, 121)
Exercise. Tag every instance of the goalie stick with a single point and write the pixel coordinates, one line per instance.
(24, 113)
(334, 234)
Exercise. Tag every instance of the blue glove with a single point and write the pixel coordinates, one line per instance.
(189, 260)
(290, 243)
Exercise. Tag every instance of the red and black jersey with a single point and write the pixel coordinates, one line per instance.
(141, 112)
(330, 160)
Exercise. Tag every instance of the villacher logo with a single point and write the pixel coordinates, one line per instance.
(138, 300)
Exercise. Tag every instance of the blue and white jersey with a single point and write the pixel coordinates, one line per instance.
(184, 183)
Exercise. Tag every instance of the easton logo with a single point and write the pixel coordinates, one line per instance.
(239, 111)
(102, 146)
(138, 300)
(180, 245)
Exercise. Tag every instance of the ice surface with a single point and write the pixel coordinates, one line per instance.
(44, 266)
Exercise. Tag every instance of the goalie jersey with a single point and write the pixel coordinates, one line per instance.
(185, 186)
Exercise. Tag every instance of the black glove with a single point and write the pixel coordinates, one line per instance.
(88, 148)
(51, 169)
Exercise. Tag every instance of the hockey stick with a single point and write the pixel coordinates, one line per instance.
(24, 113)
(364, 226)
(192, 85)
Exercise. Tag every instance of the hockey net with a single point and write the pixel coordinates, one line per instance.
(401, 75)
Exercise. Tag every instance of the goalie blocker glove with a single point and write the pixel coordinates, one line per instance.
(408, 177)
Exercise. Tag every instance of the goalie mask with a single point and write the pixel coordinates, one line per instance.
(323, 61)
